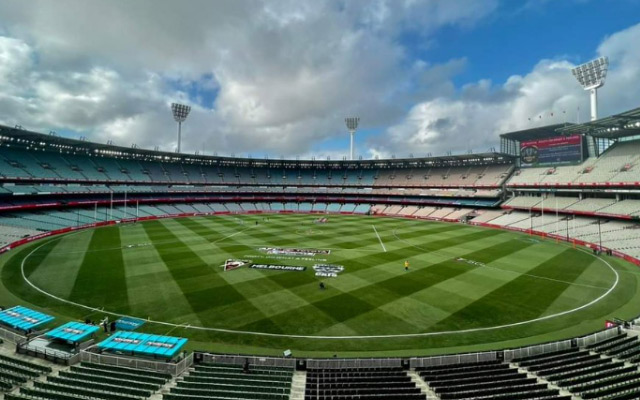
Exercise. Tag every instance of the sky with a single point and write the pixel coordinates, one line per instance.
(277, 78)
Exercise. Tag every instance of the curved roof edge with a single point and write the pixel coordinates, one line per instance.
(613, 127)
(22, 138)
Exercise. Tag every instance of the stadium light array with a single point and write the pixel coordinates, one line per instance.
(180, 113)
(352, 126)
(591, 76)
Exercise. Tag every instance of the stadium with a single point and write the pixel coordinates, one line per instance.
(131, 273)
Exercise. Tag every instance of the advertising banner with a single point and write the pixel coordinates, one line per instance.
(327, 270)
(275, 267)
(293, 252)
(561, 150)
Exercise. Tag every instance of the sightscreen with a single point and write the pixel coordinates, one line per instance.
(560, 150)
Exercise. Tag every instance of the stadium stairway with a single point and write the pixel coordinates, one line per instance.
(298, 384)
(415, 377)
(488, 381)
(604, 370)
(166, 388)
(226, 381)
(362, 383)
(562, 391)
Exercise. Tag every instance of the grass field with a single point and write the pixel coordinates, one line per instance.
(510, 289)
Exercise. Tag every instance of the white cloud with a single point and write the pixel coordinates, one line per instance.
(287, 71)
(70, 100)
(15, 57)
(475, 116)
(621, 90)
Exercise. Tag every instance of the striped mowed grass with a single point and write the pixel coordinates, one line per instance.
(464, 285)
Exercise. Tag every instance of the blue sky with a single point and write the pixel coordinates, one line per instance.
(517, 37)
(278, 78)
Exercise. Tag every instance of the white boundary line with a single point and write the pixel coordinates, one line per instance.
(229, 236)
(508, 270)
(282, 335)
(149, 244)
(379, 239)
(546, 278)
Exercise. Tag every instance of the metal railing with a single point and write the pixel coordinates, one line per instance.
(55, 356)
(172, 368)
(414, 362)
(12, 337)
(253, 360)
(534, 350)
(338, 363)
(598, 336)
(421, 362)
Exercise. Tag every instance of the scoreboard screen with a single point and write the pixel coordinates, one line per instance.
(561, 150)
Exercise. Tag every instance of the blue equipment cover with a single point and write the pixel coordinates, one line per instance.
(129, 324)
(23, 318)
(143, 344)
(72, 332)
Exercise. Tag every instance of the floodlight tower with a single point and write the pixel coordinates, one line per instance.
(180, 113)
(352, 126)
(591, 76)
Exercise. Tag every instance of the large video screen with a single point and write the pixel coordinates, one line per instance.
(561, 150)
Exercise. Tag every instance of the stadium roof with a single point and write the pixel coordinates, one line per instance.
(129, 324)
(72, 332)
(21, 138)
(143, 344)
(541, 132)
(23, 318)
(615, 126)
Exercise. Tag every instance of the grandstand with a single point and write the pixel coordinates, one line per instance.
(617, 165)
(508, 273)
(611, 207)
(619, 235)
(52, 185)
(585, 372)
(47, 187)
(33, 157)
(223, 381)
(361, 383)
(15, 372)
(85, 380)
(486, 380)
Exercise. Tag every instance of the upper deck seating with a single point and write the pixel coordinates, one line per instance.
(620, 163)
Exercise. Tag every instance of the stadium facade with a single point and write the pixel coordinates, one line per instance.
(572, 182)
(72, 184)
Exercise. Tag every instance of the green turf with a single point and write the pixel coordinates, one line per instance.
(169, 270)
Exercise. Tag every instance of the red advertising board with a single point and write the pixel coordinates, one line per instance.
(553, 142)
(559, 150)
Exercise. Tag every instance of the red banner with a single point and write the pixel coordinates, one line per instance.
(553, 142)
(559, 150)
